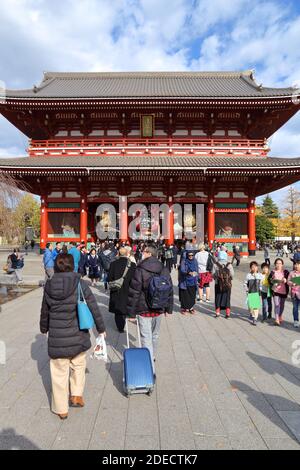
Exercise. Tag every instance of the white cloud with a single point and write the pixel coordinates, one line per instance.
(91, 35)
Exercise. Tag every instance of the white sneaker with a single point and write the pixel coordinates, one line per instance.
(296, 324)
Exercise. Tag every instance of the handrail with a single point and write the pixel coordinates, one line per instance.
(153, 142)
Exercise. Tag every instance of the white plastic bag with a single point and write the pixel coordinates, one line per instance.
(100, 349)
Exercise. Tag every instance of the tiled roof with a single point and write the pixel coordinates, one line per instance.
(120, 162)
(149, 85)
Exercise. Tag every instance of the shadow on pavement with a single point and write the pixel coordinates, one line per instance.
(262, 402)
(38, 347)
(272, 366)
(9, 440)
(243, 314)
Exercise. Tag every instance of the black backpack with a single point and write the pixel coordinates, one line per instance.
(159, 290)
(209, 263)
(224, 277)
(106, 260)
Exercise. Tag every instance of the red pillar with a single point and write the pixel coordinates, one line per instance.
(211, 227)
(123, 221)
(44, 223)
(170, 240)
(251, 227)
(83, 219)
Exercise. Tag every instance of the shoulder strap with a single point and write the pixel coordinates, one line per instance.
(80, 293)
(128, 264)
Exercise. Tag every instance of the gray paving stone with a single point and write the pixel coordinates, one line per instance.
(282, 444)
(292, 420)
(109, 432)
(141, 442)
(213, 443)
(265, 418)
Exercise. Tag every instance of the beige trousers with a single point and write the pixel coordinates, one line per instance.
(68, 378)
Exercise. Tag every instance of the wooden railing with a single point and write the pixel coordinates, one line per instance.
(153, 142)
(136, 146)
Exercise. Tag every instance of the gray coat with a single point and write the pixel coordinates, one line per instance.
(59, 316)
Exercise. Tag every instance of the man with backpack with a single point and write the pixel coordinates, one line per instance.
(106, 256)
(150, 295)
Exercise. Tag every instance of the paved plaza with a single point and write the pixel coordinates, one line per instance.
(221, 384)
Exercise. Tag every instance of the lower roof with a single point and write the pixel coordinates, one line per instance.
(127, 162)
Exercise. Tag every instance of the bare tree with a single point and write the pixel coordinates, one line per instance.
(10, 194)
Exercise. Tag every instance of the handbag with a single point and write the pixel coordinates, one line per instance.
(85, 317)
(118, 283)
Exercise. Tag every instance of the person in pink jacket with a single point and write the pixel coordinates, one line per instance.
(280, 289)
(295, 292)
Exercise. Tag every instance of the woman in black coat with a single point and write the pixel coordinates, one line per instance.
(67, 344)
(119, 297)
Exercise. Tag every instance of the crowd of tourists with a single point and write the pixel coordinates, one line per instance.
(138, 277)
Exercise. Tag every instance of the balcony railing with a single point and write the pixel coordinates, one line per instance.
(134, 146)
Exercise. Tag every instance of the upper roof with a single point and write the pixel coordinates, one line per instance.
(103, 85)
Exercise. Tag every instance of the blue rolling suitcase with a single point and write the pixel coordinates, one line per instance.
(138, 371)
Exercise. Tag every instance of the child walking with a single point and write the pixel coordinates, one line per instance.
(294, 283)
(280, 289)
(266, 294)
(252, 285)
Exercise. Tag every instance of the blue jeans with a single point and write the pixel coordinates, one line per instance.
(149, 329)
(266, 305)
(278, 305)
(296, 306)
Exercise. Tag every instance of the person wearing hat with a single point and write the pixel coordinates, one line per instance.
(188, 282)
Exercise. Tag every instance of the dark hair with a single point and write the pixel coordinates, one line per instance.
(73, 243)
(278, 259)
(151, 248)
(253, 263)
(48, 245)
(265, 265)
(64, 263)
(57, 243)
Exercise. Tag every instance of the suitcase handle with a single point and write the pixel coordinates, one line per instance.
(138, 331)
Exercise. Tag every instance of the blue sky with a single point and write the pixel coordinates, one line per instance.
(120, 35)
